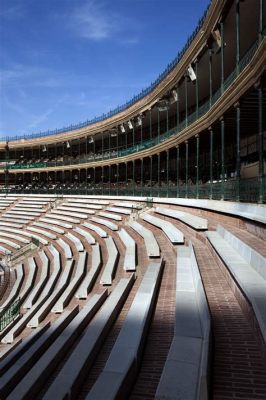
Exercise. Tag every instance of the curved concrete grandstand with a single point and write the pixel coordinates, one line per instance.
(132, 247)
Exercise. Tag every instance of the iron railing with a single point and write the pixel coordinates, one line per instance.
(9, 314)
(227, 190)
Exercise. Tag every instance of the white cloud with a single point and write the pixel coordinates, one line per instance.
(91, 21)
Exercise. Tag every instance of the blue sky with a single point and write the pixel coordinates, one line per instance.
(66, 61)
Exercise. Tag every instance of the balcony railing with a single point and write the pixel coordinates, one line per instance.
(203, 109)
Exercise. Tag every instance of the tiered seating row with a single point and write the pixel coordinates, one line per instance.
(173, 234)
(246, 266)
(185, 374)
(67, 382)
(152, 247)
(124, 361)
(194, 221)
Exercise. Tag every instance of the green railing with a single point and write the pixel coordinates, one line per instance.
(27, 166)
(9, 314)
(227, 190)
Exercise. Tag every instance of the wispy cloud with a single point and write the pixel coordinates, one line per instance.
(91, 21)
(94, 21)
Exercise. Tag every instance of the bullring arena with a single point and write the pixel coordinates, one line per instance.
(132, 246)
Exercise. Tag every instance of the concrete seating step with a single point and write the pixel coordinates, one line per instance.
(73, 285)
(52, 221)
(106, 223)
(10, 243)
(109, 269)
(71, 213)
(130, 254)
(83, 206)
(65, 247)
(122, 366)
(42, 232)
(15, 373)
(119, 210)
(44, 276)
(173, 234)
(47, 291)
(128, 205)
(185, 374)
(15, 237)
(46, 307)
(30, 385)
(247, 267)
(68, 381)
(85, 234)
(15, 288)
(96, 229)
(49, 227)
(59, 215)
(75, 241)
(88, 281)
(77, 212)
(194, 221)
(10, 224)
(152, 247)
(110, 216)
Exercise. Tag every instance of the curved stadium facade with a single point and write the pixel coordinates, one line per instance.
(112, 202)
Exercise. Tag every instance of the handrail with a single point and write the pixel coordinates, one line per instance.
(129, 103)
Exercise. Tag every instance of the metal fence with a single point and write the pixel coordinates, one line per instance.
(248, 189)
(9, 314)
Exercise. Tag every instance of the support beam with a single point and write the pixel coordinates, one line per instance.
(159, 173)
(222, 158)
(177, 109)
(211, 161)
(237, 36)
(210, 78)
(133, 176)
(222, 57)
(186, 101)
(186, 143)
(177, 170)
(141, 175)
(261, 11)
(197, 88)
(150, 175)
(260, 144)
(197, 166)
(237, 107)
(167, 171)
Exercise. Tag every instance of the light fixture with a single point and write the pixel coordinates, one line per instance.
(122, 128)
(91, 140)
(113, 134)
(139, 120)
(44, 149)
(163, 105)
(67, 145)
(191, 73)
(130, 124)
(217, 40)
(174, 95)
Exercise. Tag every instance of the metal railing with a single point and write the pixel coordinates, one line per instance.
(203, 109)
(9, 314)
(227, 190)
